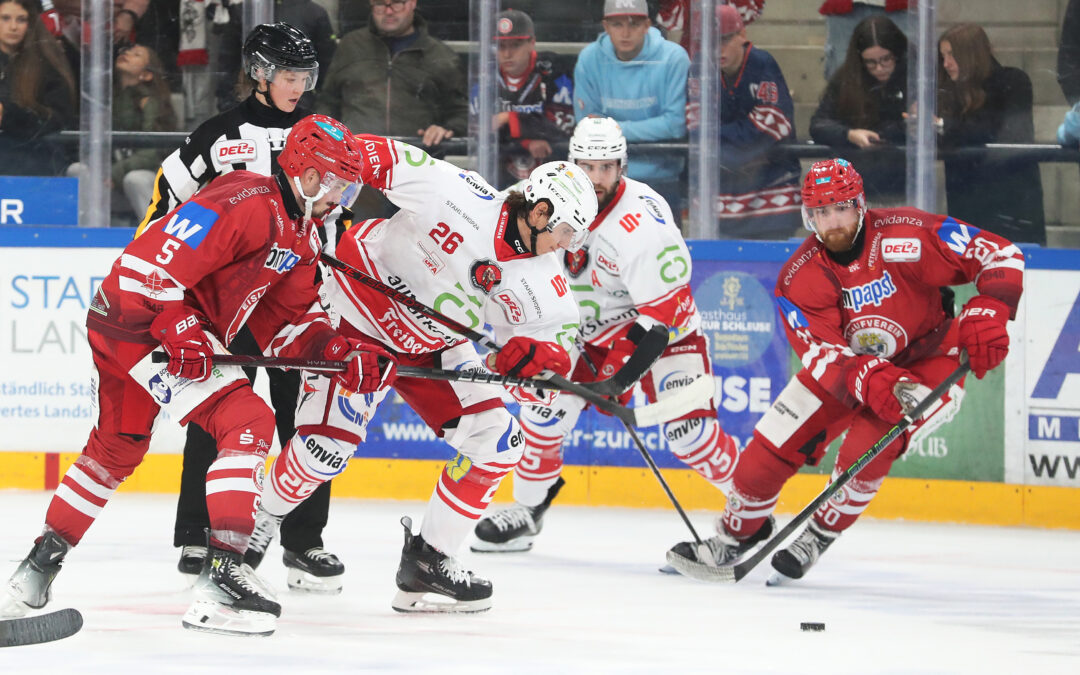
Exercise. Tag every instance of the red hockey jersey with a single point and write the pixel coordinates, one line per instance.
(885, 302)
(236, 253)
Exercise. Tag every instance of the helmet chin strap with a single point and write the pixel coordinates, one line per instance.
(309, 201)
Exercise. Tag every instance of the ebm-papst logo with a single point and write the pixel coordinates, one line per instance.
(281, 260)
(485, 275)
(234, 152)
(871, 293)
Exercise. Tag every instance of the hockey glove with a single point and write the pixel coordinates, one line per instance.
(185, 342)
(982, 333)
(371, 367)
(526, 357)
(875, 385)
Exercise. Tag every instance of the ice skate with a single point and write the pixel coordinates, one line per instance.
(192, 559)
(515, 528)
(266, 528)
(794, 561)
(231, 599)
(430, 581)
(696, 561)
(316, 570)
(29, 587)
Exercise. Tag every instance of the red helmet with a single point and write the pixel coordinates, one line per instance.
(832, 181)
(325, 144)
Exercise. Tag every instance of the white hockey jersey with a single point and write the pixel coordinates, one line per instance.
(445, 247)
(634, 263)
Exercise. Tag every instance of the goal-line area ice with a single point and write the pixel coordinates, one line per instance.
(894, 596)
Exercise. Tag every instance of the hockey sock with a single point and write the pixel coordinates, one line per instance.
(464, 490)
(843, 509)
(701, 444)
(79, 498)
(540, 466)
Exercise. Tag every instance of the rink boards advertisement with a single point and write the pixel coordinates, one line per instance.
(1020, 425)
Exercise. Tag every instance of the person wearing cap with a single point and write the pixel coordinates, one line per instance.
(636, 77)
(758, 193)
(393, 78)
(535, 108)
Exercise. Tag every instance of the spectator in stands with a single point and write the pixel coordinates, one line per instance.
(1068, 58)
(425, 94)
(980, 101)
(141, 102)
(535, 107)
(635, 76)
(841, 17)
(674, 18)
(307, 16)
(37, 92)
(863, 107)
(758, 194)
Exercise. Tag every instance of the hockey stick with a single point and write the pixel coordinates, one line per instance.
(294, 363)
(733, 573)
(647, 456)
(662, 411)
(645, 416)
(631, 372)
(32, 630)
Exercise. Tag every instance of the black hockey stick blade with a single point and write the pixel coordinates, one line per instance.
(733, 573)
(649, 348)
(33, 630)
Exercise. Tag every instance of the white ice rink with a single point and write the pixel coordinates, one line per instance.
(895, 598)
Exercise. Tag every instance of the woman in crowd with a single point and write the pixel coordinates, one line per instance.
(980, 101)
(863, 106)
(37, 92)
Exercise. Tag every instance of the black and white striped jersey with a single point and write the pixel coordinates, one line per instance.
(248, 137)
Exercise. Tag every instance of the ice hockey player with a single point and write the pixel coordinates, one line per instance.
(861, 303)
(241, 252)
(632, 274)
(281, 64)
(478, 256)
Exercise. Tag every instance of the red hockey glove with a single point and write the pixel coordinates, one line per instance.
(874, 384)
(525, 357)
(185, 342)
(616, 358)
(371, 367)
(982, 333)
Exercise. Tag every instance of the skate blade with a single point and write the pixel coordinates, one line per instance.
(667, 569)
(12, 608)
(209, 616)
(305, 582)
(778, 579)
(701, 571)
(519, 545)
(432, 603)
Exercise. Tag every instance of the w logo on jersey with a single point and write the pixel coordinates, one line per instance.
(191, 223)
(957, 235)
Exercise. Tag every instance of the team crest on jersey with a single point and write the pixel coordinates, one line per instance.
(485, 275)
(576, 261)
(876, 336)
(234, 151)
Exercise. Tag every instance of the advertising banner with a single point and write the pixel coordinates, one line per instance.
(33, 200)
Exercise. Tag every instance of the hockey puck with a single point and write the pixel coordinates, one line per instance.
(814, 627)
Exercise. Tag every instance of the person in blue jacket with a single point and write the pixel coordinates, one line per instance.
(635, 76)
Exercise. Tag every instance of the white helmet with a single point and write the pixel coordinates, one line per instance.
(568, 189)
(598, 138)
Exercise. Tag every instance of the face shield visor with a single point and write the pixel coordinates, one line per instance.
(339, 190)
(261, 69)
(567, 237)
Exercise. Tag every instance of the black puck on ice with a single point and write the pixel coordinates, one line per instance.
(814, 627)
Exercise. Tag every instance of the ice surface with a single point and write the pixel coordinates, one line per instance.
(895, 598)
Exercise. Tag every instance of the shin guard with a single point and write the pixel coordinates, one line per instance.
(83, 492)
(701, 444)
(540, 466)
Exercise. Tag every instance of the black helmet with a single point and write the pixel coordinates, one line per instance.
(273, 46)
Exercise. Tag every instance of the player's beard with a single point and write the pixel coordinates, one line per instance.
(603, 198)
(839, 241)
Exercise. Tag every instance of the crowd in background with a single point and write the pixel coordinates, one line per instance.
(398, 69)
